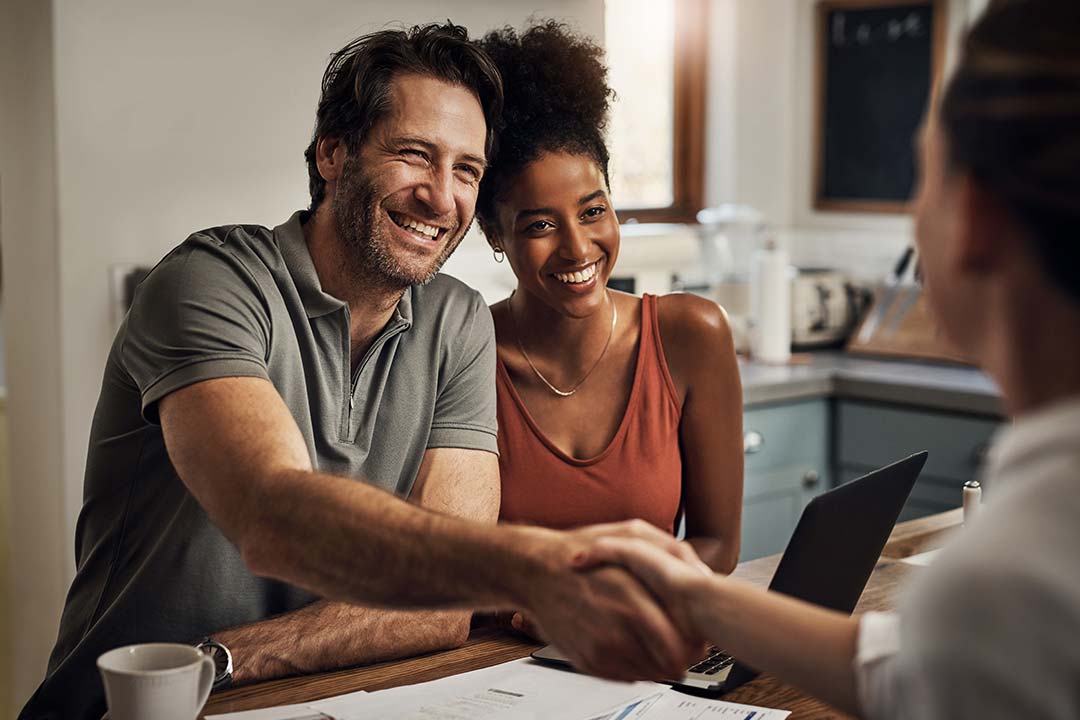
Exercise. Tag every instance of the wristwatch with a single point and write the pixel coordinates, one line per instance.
(222, 661)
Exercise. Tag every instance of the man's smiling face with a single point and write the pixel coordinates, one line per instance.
(406, 199)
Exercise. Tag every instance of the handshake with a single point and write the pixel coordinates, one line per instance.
(622, 600)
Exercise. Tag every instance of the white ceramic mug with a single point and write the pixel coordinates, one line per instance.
(158, 681)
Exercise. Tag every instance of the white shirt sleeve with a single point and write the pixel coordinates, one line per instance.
(878, 643)
(982, 640)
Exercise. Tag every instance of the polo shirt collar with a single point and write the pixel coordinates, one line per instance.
(403, 311)
(290, 240)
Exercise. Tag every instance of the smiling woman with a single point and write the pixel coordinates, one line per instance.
(610, 406)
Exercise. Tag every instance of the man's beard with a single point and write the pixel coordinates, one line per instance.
(366, 238)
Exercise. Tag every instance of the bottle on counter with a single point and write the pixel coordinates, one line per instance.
(972, 500)
(770, 304)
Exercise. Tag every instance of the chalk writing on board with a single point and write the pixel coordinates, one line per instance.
(864, 33)
(875, 66)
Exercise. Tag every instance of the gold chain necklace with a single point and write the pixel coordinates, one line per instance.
(521, 347)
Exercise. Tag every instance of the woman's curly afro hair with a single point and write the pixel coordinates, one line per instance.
(556, 99)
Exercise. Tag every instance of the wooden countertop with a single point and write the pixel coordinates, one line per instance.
(487, 647)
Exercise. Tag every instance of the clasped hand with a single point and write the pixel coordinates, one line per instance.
(619, 606)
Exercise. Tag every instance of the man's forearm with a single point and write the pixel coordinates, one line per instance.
(327, 534)
(327, 635)
(238, 450)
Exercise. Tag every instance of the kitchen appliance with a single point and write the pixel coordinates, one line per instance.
(825, 306)
(651, 254)
(728, 234)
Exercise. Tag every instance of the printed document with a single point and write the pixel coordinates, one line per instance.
(670, 704)
(518, 690)
(282, 712)
(521, 689)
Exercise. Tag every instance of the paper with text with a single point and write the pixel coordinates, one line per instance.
(282, 712)
(518, 690)
(672, 705)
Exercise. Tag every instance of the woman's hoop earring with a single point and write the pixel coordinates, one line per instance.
(499, 254)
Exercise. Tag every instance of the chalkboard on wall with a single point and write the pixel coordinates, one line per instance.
(876, 64)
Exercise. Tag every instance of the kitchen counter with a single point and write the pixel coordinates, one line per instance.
(837, 374)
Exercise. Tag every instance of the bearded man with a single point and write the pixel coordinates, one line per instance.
(295, 417)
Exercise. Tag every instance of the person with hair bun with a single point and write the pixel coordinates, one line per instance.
(990, 629)
(610, 406)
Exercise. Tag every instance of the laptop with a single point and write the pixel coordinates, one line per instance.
(828, 560)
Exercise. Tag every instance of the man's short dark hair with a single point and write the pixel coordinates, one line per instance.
(356, 84)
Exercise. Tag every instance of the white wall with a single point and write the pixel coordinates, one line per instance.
(169, 117)
(28, 231)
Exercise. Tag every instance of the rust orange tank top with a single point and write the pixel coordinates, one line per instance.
(638, 475)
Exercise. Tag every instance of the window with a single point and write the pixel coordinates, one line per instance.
(656, 55)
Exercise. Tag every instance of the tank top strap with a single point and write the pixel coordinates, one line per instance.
(652, 350)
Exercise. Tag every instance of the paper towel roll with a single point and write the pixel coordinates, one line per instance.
(770, 305)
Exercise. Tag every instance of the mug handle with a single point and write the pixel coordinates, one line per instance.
(207, 671)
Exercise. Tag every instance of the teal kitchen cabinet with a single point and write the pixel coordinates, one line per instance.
(870, 435)
(786, 450)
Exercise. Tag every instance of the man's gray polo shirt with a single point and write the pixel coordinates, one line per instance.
(246, 301)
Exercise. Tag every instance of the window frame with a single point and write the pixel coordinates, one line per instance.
(688, 147)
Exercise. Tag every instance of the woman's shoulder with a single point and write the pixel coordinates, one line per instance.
(696, 337)
(687, 319)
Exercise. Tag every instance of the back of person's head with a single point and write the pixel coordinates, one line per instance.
(557, 100)
(357, 82)
(1011, 117)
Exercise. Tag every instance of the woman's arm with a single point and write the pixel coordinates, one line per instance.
(700, 353)
(801, 644)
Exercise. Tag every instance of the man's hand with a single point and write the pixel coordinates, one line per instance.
(523, 623)
(605, 620)
(610, 626)
(680, 583)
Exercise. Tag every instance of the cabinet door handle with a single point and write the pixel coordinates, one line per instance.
(753, 442)
(810, 479)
